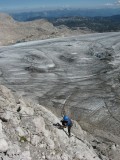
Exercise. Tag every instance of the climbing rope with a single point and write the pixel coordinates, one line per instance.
(64, 109)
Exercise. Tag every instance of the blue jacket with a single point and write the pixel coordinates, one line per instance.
(68, 120)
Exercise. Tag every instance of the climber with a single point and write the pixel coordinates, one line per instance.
(66, 122)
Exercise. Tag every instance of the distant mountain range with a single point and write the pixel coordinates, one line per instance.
(95, 20)
(50, 24)
(96, 24)
(67, 12)
(73, 20)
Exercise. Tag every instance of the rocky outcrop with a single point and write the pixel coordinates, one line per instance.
(3, 142)
(29, 134)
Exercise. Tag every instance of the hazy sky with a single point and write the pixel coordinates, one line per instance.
(11, 4)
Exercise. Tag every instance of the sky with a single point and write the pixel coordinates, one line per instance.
(22, 4)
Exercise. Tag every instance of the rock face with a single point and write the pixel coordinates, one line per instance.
(3, 143)
(12, 31)
(31, 135)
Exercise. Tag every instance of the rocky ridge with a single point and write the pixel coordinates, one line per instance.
(12, 31)
(27, 133)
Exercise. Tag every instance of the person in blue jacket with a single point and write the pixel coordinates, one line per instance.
(66, 122)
